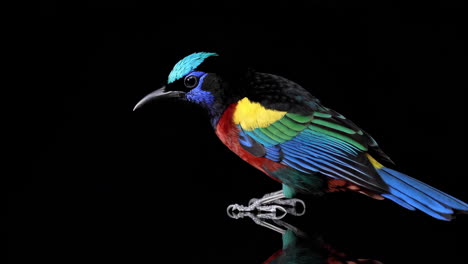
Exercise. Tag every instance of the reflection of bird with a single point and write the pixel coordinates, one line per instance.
(311, 250)
(307, 250)
(281, 129)
(301, 248)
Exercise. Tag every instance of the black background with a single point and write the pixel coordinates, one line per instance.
(94, 181)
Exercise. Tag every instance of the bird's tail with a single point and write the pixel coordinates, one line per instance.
(413, 194)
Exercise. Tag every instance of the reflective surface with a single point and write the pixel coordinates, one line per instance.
(299, 247)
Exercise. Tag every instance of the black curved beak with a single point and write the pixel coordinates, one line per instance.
(160, 93)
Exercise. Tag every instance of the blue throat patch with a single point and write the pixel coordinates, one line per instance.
(188, 64)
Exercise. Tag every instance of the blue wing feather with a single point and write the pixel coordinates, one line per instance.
(312, 147)
(310, 151)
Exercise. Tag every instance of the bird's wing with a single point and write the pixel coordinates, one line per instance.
(323, 142)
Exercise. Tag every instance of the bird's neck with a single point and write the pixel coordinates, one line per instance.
(219, 107)
(236, 89)
(216, 112)
(214, 119)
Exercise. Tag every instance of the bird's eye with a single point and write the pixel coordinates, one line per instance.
(191, 81)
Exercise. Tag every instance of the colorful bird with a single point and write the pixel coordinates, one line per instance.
(281, 129)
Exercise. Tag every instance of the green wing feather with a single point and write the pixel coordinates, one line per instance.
(286, 128)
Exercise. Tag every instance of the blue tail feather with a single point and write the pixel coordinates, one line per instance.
(398, 201)
(411, 193)
(416, 204)
(431, 191)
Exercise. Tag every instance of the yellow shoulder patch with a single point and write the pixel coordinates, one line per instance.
(375, 163)
(251, 115)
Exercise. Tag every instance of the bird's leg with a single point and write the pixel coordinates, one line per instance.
(271, 202)
(262, 204)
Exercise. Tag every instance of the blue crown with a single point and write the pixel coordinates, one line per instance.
(188, 64)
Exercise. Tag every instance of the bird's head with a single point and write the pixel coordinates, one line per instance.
(203, 78)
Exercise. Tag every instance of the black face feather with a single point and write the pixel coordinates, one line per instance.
(231, 69)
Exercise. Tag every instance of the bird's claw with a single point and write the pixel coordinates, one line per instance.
(253, 200)
(291, 204)
(238, 211)
(273, 203)
(293, 208)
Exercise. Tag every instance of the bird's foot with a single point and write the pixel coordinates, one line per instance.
(273, 203)
(288, 204)
(272, 209)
